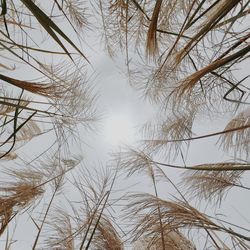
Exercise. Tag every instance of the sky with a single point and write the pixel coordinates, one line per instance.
(125, 110)
(122, 111)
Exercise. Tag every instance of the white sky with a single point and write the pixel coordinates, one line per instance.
(122, 112)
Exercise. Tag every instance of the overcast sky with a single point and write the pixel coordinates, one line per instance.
(122, 111)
